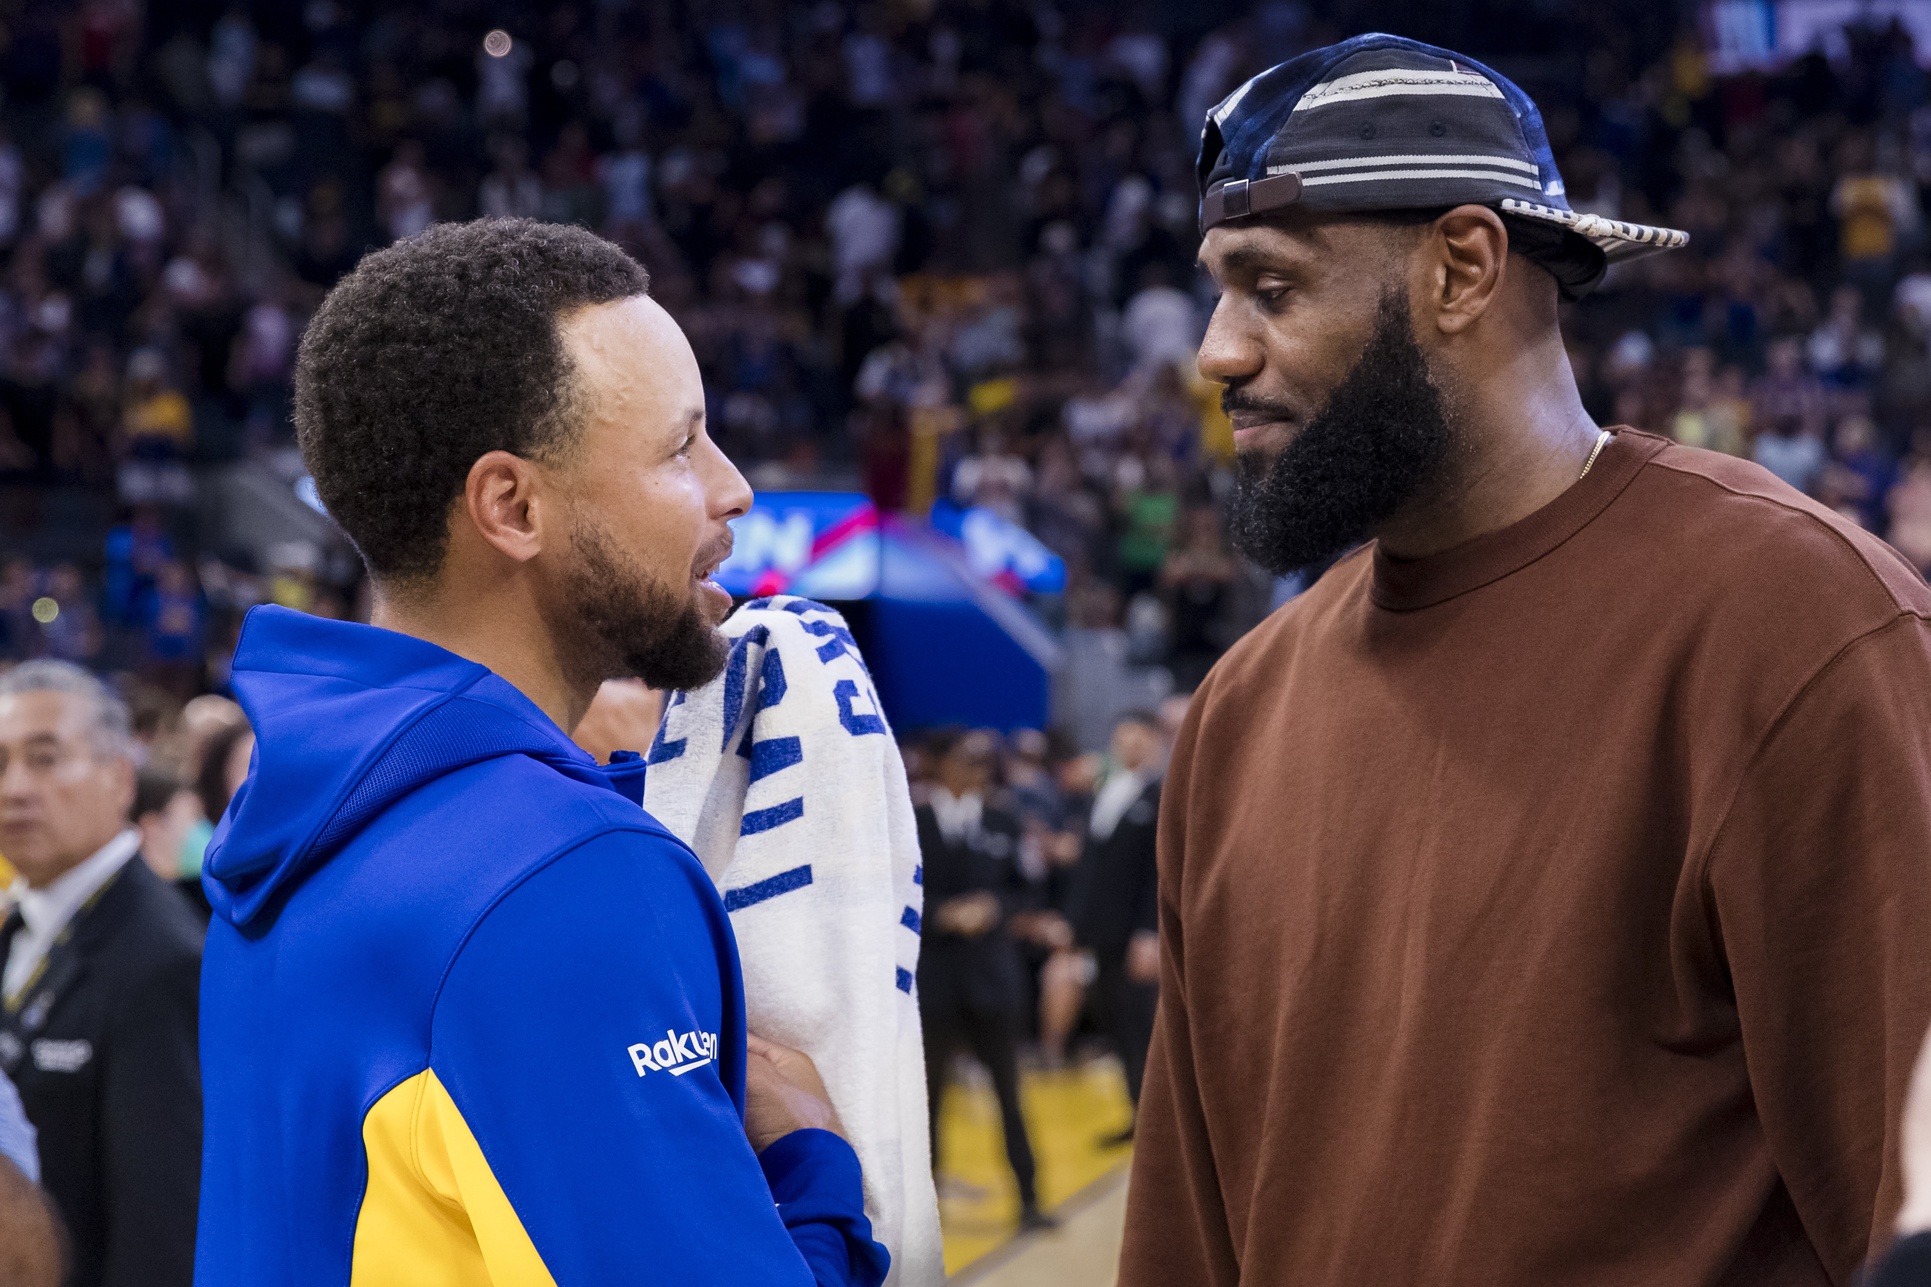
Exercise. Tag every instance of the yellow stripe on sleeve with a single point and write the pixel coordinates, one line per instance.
(433, 1214)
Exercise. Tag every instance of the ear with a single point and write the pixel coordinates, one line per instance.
(1469, 255)
(504, 500)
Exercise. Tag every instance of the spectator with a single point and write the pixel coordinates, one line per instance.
(1910, 506)
(1791, 450)
(70, 628)
(102, 965)
(157, 430)
(173, 624)
(165, 813)
(1198, 578)
(971, 986)
(1115, 904)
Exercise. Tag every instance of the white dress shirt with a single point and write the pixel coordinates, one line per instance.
(957, 815)
(1110, 803)
(44, 913)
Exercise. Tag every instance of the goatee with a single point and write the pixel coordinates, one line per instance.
(1383, 439)
(625, 625)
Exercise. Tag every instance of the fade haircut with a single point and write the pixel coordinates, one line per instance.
(432, 353)
(111, 728)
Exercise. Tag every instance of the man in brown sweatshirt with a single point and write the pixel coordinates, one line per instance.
(1545, 895)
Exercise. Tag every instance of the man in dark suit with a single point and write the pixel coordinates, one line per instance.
(1114, 905)
(102, 964)
(971, 981)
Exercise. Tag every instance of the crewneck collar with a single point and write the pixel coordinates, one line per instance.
(1403, 585)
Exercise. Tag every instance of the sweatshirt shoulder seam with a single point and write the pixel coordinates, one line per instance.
(1861, 557)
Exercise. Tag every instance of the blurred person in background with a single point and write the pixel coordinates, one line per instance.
(172, 618)
(1791, 450)
(220, 766)
(1114, 908)
(102, 963)
(1585, 804)
(214, 733)
(971, 980)
(30, 1240)
(1907, 1261)
(165, 812)
(1198, 579)
(624, 717)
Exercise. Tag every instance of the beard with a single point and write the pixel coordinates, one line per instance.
(624, 624)
(1383, 439)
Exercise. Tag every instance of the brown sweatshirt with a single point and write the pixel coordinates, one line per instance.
(1554, 910)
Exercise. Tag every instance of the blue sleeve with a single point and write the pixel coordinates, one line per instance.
(591, 1034)
(17, 1133)
(820, 1193)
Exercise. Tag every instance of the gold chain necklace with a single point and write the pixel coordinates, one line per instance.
(1602, 440)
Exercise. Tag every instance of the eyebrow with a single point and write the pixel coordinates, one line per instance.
(1245, 259)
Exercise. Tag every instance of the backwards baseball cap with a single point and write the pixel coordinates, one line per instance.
(1383, 123)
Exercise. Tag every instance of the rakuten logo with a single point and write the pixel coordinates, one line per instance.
(677, 1054)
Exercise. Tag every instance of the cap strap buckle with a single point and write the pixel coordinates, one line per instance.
(1239, 198)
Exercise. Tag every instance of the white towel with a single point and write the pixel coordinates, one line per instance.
(785, 779)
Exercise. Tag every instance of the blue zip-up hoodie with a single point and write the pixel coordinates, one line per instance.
(468, 1014)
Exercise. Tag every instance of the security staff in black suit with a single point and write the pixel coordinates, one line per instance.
(1114, 903)
(102, 963)
(971, 983)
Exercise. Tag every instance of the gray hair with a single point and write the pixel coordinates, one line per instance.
(113, 727)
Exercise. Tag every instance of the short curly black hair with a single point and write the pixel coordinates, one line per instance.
(431, 353)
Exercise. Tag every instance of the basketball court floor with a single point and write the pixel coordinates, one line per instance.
(1068, 1112)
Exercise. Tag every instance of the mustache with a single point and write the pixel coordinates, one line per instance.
(1235, 398)
(717, 551)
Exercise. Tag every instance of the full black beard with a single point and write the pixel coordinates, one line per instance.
(626, 625)
(1383, 439)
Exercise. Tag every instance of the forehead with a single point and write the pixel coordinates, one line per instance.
(42, 714)
(1301, 239)
(632, 355)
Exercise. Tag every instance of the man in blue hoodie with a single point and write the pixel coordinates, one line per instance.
(469, 1015)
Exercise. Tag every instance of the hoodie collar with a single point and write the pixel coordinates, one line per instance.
(348, 720)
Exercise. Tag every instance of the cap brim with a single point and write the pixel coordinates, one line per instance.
(1619, 241)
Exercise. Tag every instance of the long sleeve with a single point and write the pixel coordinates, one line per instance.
(1820, 881)
(590, 1037)
(1176, 1223)
(151, 1129)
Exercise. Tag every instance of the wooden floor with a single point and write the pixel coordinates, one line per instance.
(1067, 1112)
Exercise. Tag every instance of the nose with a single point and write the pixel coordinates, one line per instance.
(1229, 352)
(729, 496)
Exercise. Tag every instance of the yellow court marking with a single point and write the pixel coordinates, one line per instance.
(1067, 1112)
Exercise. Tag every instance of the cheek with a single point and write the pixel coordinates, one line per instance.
(666, 524)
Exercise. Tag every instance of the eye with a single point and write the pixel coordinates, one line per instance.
(1272, 298)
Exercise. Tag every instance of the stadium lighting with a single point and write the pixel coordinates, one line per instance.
(497, 43)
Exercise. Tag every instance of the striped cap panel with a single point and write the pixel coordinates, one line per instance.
(1395, 82)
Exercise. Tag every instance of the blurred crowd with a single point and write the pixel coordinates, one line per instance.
(941, 248)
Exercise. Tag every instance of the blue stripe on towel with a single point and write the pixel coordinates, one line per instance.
(774, 754)
(918, 874)
(905, 980)
(911, 919)
(660, 749)
(736, 900)
(776, 816)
